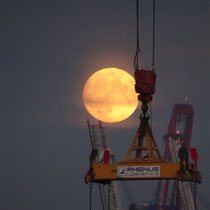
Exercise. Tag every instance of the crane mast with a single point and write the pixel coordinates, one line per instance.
(179, 135)
(108, 193)
(184, 188)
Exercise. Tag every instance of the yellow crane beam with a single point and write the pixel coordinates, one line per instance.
(143, 162)
(122, 171)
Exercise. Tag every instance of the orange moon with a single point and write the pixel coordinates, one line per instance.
(109, 95)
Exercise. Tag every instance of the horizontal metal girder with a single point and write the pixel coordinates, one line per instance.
(129, 171)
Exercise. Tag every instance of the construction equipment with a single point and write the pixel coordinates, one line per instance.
(184, 191)
(179, 136)
(109, 194)
(143, 160)
(146, 163)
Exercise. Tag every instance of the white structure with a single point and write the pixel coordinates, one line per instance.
(185, 189)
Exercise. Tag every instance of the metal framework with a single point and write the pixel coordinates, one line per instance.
(179, 135)
(147, 167)
(109, 194)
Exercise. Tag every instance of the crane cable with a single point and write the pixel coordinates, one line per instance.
(90, 187)
(138, 55)
(153, 38)
(195, 194)
(138, 58)
(109, 199)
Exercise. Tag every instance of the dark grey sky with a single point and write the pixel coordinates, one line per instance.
(48, 49)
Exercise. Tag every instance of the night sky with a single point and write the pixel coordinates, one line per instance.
(48, 49)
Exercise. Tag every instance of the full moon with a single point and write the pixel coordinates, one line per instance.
(109, 95)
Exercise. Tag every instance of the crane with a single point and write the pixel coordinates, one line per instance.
(184, 189)
(179, 135)
(100, 143)
(143, 160)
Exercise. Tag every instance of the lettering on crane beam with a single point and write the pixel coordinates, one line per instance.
(138, 171)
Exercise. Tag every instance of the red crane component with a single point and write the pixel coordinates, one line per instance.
(179, 129)
(145, 81)
(194, 156)
(145, 86)
(182, 115)
(106, 156)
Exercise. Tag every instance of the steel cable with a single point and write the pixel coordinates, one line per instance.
(138, 58)
(153, 38)
(90, 187)
(109, 200)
